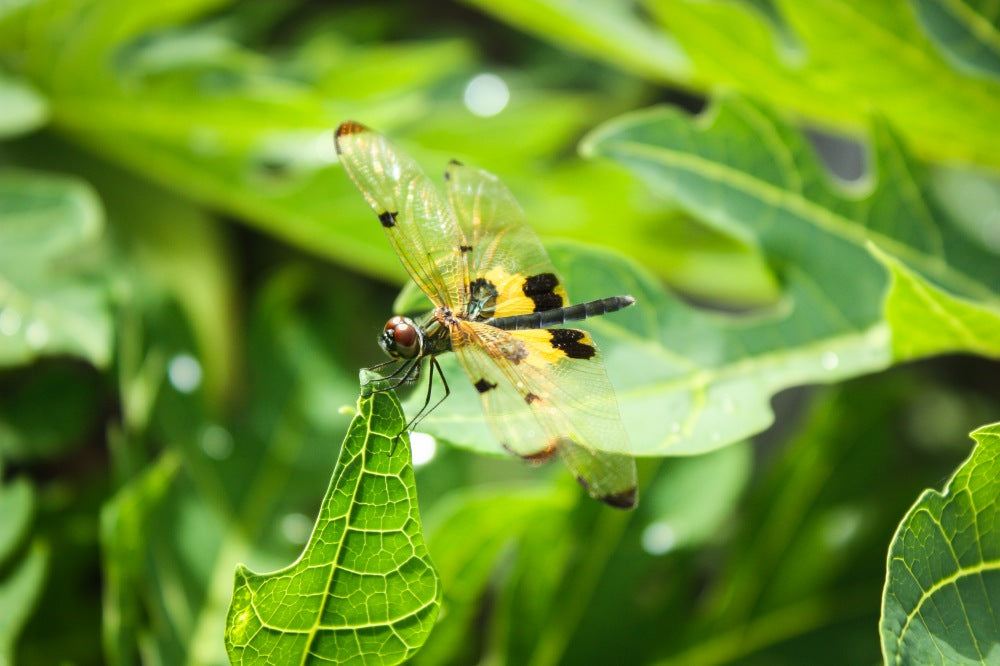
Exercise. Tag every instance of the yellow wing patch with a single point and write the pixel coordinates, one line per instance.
(540, 348)
(547, 346)
(518, 294)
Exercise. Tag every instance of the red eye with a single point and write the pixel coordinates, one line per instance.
(401, 338)
(406, 335)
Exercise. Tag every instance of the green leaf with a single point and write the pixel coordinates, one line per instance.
(19, 590)
(607, 29)
(927, 320)
(942, 584)
(364, 588)
(48, 305)
(24, 109)
(964, 30)
(22, 570)
(847, 58)
(832, 62)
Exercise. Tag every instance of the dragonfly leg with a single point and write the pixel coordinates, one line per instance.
(407, 372)
(424, 411)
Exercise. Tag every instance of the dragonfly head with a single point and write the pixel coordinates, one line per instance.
(401, 338)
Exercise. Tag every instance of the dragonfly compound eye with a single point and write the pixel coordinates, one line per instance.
(401, 338)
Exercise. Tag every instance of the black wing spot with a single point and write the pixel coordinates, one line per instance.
(539, 288)
(530, 398)
(465, 248)
(623, 500)
(567, 340)
(387, 219)
(483, 386)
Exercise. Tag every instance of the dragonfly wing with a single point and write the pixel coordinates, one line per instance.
(419, 223)
(546, 391)
(503, 250)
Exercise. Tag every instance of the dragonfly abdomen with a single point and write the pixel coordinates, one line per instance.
(558, 316)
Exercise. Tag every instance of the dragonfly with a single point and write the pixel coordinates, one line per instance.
(500, 306)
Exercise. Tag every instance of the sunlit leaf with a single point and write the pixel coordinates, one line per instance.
(609, 30)
(943, 580)
(364, 588)
(47, 304)
(833, 62)
(835, 66)
(927, 320)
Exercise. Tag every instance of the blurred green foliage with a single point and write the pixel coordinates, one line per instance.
(189, 284)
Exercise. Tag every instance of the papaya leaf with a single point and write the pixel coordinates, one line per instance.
(364, 587)
(942, 587)
(609, 30)
(918, 63)
(836, 63)
(47, 304)
(947, 323)
(744, 171)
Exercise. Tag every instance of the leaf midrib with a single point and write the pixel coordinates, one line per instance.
(366, 414)
(795, 204)
(961, 572)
